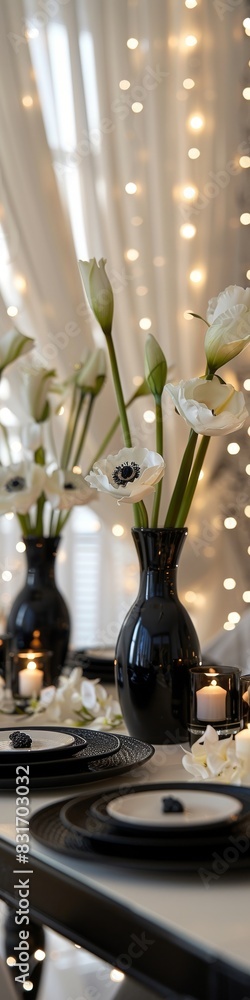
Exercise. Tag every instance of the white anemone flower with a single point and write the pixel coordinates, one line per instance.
(229, 332)
(20, 486)
(129, 476)
(208, 406)
(66, 489)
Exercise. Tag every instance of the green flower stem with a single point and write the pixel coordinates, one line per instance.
(140, 515)
(192, 483)
(141, 509)
(119, 393)
(159, 449)
(84, 430)
(24, 521)
(181, 482)
(67, 444)
(39, 516)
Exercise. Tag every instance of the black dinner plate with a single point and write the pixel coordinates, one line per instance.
(195, 853)
(48, 742)
(77, 771)
(196, 817)
(94, 746)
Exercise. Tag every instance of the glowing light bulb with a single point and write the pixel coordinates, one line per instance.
(137, 107)
(233, 617)
(244, 162)
(230, 523)
(246, 93)
(196, 122)
(132, 43)
(247, 511)
(12, 311)
(188, 84)
(145, 323)
(245, 218)
(130, 188)
(233, 448)
(190, 4)
(20, 283)
(228, 626)
(229, 583)
(6, 575)
(188, 231)
(195, 276)
(246, 596)
(124, 84)
(191, 41)
(20, 546)
(132, 254)
(27, 101)
(189, 192)
(117, 530)
(149, 416)
(194, 153)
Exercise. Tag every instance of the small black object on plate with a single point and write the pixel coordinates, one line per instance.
(20, 740)
(171, 805)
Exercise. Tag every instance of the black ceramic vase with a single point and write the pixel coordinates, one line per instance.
(157, 644)
(39, 618)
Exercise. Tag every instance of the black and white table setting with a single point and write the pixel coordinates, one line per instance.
(144, 867)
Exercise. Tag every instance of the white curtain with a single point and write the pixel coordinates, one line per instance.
(65, 161)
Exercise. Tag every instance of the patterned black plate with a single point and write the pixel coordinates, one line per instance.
(96, 843)
(78, 771)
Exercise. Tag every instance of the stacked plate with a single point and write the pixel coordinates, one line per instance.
(163, 826)
(62, 756)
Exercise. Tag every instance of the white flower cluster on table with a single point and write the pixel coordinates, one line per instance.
(78, 702)
(214, 760)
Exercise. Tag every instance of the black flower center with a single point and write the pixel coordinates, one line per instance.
(126, 473)
(69, 486)
(16, 484)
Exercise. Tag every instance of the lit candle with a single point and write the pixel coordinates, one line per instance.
(242, 744)
(30, 681)
(211, 703)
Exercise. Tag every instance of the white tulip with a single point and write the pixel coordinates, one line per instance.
(209, 407)
(12, 344)
(129, 476)
(36, 385)
(229, 333)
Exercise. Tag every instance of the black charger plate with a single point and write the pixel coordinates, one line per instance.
(78, 771)
(155, 854)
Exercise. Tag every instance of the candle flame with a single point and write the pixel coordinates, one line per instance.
(213, 684)
(31, 665)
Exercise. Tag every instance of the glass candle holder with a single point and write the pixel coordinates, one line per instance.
(215, 700)
(245, 699)
(30, 673)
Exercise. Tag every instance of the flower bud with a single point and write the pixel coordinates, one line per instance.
(155, 366)
(99, 292)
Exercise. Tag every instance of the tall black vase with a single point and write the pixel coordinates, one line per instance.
(39, 618)
(157, 644)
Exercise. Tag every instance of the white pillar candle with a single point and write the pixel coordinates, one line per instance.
(211, 703)
(30, 681)
(242, 743)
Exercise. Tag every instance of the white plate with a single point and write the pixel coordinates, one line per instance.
(40, 741)
(200, 809)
